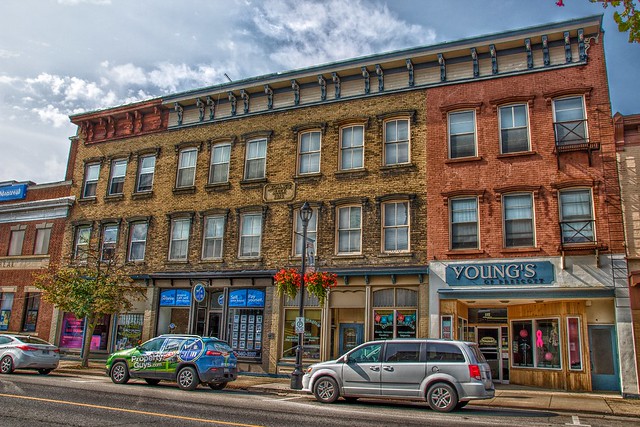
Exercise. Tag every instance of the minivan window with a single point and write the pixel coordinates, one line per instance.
(477, 353)
(442, 352)
(402, 352)
(366, 354)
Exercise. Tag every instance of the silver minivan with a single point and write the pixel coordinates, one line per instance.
(448, 374)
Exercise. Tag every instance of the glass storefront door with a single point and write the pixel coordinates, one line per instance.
(493, 343)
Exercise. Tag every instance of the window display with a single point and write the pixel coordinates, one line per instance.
(536, 343)
(246, 311)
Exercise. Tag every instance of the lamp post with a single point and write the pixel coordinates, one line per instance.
(296, 375)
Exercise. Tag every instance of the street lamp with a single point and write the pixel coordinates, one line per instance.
(296, 375)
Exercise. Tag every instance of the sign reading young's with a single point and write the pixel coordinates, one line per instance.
(508, 273)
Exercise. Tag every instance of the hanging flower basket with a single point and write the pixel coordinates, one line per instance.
(287, 282)
(319, 283)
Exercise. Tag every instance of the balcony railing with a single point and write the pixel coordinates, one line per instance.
(572, 136)
(577, 232)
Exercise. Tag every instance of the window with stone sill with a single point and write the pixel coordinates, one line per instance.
(108, 244)
(395, 227)
(16, 242)
(256, 159)
(462, 134)
(312, 233)
(396, 142)
(179, 244)
(352, 147)
(146, 172)
(91, 174)
(514, 129)
(518, 220)
(464, 223)
(309, 153)
(81, 243)
(349, 230)
(250, 235)
(187, 168)
(213, 237)
(118, 172)
(219, 168)
(43, 237)
(138, 241)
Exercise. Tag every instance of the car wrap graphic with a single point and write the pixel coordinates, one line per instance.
(191, 350)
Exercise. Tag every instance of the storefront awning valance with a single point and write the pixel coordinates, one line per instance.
(528, 293)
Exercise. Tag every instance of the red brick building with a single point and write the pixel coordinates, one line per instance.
(32, 224)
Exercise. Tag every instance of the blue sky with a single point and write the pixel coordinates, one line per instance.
(63, 57)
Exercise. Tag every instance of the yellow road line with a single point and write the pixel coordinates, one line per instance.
(131, 411)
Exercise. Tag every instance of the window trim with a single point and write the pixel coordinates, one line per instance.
(181, 168)
(212, 165)
(112, 177)
(532, 338)
(132, 225)
(584, 115)
(477, 222)
(241, 236)
(386, 143)
(221, 238)
(337, 231)
(301, 134)
(341, 149)
(475, 133)
(247, 159)
(140, 172)
(92, 181)
(592, 210)
(171, 240)
(504, 219)
(384, 227)
(527, 125)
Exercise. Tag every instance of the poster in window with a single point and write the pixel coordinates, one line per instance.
(251, 326)
(383, 324)
(242, 345)
(250, 336)
(258, 345)
(235, 335)
(235, 343)
(406, 324)
(236, 318)
(235, 327)
(4, 319)
(243, 326)
(258, 337)
(252, 318)
(30, 321)
(243, 336)
(446, 327)
(243, 318)
(258, 319)
(259, 327)
(249, 345)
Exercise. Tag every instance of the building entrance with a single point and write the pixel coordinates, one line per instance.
(494, 345)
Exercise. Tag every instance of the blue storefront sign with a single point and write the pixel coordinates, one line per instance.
(175, 298)
(198, 292)
(13, 192)
(504, 273)
(246, 298)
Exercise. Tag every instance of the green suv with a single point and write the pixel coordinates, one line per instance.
(187, 359)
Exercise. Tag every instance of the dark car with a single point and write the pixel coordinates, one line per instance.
(187, 359)
(27, 352)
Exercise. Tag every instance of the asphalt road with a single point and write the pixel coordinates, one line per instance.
(32, 400)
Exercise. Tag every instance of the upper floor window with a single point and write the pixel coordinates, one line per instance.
(464, 223)
(576, 216)
(570, 120)
(179, 245)
(146, 171)
(514, 129)
(518, 220)
(395, 226)
(16, 241)
(349, 230)
(256, 159)
(187, 167)
(462, 134)
(312, 233)
(219, 171)
(91, 173)
(43, 236)
(138, 241)
(118, 172)
(352, 147)
(250, 235)
(213, 237)
(396, 142)
(81, 243)
(108, 245)
(309, 161)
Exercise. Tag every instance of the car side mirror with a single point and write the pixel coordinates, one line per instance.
(345, 358)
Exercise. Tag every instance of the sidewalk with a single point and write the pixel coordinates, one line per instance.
(507, 395)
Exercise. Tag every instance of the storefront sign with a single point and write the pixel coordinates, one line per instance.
(13, 192)
(279, 192)
(175, 298)
(246, 298)
(198, 292)
(513, 273)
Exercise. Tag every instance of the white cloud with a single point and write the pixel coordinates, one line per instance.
(7, 54)
(51, 114)
(127, 74)
(76, 2)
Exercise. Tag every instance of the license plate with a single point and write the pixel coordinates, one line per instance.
(226, 370)
(45, 351)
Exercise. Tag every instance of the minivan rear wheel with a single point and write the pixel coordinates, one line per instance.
(442, 397)
(326, 390)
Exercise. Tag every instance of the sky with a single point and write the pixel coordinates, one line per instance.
(64, 57)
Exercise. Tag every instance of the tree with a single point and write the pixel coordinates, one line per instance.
(627, 20)
(90, 288)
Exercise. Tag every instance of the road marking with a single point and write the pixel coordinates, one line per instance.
(130, 411)
(576, 422)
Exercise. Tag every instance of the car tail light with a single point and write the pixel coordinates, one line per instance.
(213, 353)
(474, 372)
(56, 350)
(25, 347)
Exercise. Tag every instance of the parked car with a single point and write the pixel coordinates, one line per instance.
(448, 374)
(27, 352)
(187, 359)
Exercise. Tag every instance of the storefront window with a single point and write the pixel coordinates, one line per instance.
(6, 302)
(129, 331)
(173, 314)
(31, 312)
(312, 332)
(445, 327)
(536, 343)
(575, 344)
(395, 314)
(246, 314)
(72, 331)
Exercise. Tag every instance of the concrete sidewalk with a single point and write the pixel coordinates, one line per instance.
(507, 395)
